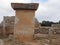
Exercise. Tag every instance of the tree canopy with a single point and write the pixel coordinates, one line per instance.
(48, 23)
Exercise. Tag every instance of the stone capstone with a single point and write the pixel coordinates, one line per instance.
(24, 6)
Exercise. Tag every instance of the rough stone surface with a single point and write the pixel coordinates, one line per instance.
(56, 26)
(9, 24)
(24, 6)
(24, 28)
(1, 42)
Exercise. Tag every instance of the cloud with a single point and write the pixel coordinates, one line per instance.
(5, 9)
(22, 1)
(49, 11)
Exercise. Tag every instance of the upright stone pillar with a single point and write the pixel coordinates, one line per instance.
(24, 28)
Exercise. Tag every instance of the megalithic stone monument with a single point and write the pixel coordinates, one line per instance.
(24, 28)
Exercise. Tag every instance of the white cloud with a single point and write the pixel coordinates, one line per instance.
(49, 10)
(5, 9)
(22, 1)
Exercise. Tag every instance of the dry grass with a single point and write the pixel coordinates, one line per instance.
(34, 42)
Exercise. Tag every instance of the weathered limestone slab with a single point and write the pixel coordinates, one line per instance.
(24, 28)
(25, 6)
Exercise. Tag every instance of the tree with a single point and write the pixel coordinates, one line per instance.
(46, 23)
(59, 22)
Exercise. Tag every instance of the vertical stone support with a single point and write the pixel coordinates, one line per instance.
(50, 37)
(24, 27)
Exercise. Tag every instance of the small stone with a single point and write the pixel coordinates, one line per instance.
(10, 37)
(1, 42)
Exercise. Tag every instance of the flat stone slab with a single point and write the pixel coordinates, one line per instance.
(25, 6)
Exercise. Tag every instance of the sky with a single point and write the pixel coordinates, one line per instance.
(48, 10)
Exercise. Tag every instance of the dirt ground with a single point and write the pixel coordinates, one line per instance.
(35, 42)
(8, 41)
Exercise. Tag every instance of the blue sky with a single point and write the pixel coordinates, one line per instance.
(48, 9)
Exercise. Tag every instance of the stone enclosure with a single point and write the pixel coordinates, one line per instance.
(25, 27)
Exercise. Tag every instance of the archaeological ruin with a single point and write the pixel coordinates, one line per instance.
(24, 28)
